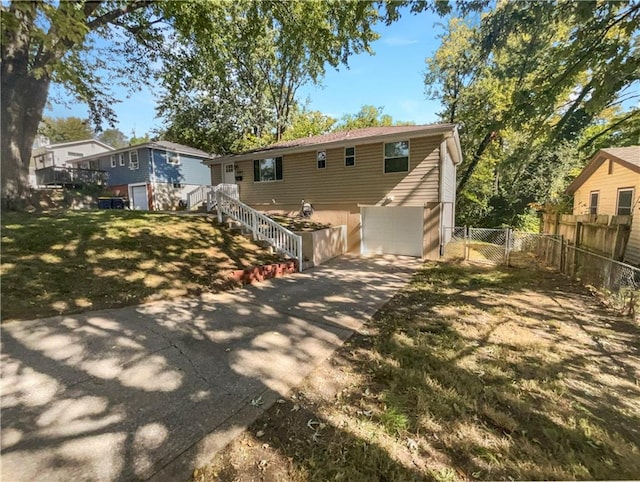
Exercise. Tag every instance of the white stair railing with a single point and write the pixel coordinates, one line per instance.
(197, 196)
(262, 227)
(230, 190)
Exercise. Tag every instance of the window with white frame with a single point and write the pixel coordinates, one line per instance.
(349, 156)
(267, 170)
(396, 156)
(594, 196)
(121, 160)
(173, 158)
(133, 160)
(625, 201)
(113, 161)
(321, 158)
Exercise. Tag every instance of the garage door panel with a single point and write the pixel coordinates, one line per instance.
(140, 200)
(392, 230)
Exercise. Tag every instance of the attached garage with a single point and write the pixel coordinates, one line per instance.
(392, 230)
(139, 196)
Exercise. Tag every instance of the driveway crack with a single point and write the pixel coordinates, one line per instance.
(174, 345)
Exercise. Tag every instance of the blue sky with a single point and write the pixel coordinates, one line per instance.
(392, 78)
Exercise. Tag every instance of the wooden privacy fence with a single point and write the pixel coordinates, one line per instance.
(603, 234)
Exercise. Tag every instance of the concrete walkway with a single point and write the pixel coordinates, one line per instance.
(152, 391)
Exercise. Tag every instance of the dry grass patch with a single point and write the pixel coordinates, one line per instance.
(66, 262)
(468, 373)
(298, 224)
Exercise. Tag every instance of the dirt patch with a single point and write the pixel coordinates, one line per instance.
(469, 373)
(298, 224)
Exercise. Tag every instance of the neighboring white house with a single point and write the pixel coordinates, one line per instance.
(60, 154)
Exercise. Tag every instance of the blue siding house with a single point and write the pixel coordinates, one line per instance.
(154, 176)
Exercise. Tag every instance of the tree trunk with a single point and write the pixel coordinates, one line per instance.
(23, 98)
(476, 158)
(23, 102)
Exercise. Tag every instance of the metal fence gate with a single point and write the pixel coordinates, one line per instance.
(481, 245)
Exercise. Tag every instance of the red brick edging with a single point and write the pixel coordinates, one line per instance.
(261, 273)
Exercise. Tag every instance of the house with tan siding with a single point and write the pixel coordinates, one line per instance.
(393, 187)
(610, 184)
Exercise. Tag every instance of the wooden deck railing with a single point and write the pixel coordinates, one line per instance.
(64, 176)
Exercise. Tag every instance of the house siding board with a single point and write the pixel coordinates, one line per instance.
(193, 171)
(164, 172)
(189, 171)
(122, 174)
(607, 184)
(449, 179)
(448, 196)
(216, 174)
(364, 183)
(431, 237)
(62, 154)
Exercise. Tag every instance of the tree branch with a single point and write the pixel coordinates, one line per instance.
(117, 13)
(610, 128)
(488, 138)
(594, 44)
(576, 103)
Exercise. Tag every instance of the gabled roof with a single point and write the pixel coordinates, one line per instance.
(628, 157)
(345, 138)
(182, 149)
(75, 143)
(163, 145)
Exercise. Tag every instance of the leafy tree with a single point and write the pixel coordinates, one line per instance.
(243, 86)
(367, 116)
(134, 140)
(612, 128)
(534, 85)
(114, 138)
(72, 43)
(65, 129)
(45, 42)
(215, 118)
(306, 123)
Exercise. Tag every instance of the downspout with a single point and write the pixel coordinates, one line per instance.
(153, 180)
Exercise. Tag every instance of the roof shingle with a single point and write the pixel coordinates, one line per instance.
(340, 136)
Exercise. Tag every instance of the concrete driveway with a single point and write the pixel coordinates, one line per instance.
(152, 391)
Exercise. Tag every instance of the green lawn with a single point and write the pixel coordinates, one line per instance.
(470, 372)
(73, 261)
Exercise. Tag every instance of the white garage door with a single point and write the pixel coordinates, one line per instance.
(139, 199)
(392, 230)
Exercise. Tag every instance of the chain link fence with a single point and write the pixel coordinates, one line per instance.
(618, 282)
